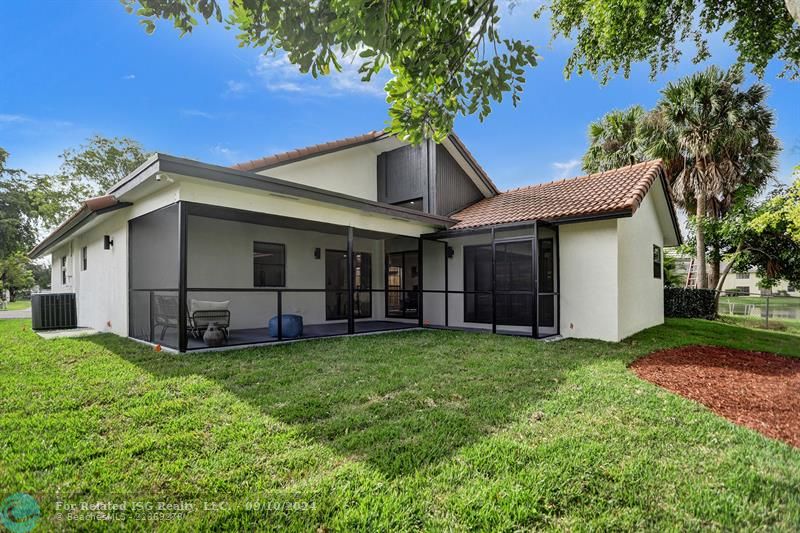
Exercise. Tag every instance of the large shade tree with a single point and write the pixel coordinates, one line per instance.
(611, 35)
(448, 57)
(765, 236)
(18, 215)
(99, 163)
(30, 204)
(26, 204)
(86, 171)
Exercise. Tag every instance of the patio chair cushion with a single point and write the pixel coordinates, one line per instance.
(291, 326)
(202, 305)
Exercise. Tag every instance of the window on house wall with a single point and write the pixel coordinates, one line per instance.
(656, 261)
(745, 290)
(84, 258)
(269, 264)
(415, 204)
(743, 275)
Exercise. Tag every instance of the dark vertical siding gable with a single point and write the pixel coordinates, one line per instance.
(454, 188)
(403, 174)
(426, 171)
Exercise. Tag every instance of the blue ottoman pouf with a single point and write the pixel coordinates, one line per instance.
(292, 326)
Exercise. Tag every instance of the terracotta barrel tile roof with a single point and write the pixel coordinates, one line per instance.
(615, 191)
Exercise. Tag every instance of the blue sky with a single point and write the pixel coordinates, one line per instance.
(73, 69)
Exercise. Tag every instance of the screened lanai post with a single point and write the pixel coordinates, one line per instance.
(446, 286)
(151, 306)
(558, 282)
(420, 318)
(351, 281)
(183, 219)
(494, 284)
(535, 293)
(279, 304)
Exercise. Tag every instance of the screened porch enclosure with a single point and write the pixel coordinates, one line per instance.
(263, 278)
(242, 270)
(500, 279)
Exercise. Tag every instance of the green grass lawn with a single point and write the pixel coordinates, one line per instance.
(417, 430)
(18, 305)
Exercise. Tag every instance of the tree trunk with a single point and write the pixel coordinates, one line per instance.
(713, 280)
(728, 267)
(700, 261)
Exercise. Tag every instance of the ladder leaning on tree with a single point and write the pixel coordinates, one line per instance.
(691, 275)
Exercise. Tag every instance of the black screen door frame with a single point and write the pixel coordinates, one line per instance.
(495, 292)
(534, 293)
(403, 290)
(357, 293)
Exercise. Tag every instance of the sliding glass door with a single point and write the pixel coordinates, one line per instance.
(513, 283)
(402, 282)
(336, 274)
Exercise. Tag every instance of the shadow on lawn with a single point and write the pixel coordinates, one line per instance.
(399, 401)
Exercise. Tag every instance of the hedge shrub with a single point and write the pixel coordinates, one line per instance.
(690, 303)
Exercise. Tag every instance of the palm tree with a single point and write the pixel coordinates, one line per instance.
(715, 138)
(615, 141)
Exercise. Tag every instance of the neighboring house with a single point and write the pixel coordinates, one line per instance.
(747, 283)
(432, 243)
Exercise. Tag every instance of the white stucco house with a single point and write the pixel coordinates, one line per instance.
(364, 234)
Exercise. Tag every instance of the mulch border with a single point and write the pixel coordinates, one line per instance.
(758, 390)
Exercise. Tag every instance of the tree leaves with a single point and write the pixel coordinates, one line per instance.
(612, 35)
(100, 163)
(447, 58)
(29, 203)
(616, 140)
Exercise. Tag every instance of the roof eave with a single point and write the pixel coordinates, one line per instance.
(78, 219)
(557, 221)
(159, 162)
(227, 175)
(278, 160)
(467, 155)
(671, 205)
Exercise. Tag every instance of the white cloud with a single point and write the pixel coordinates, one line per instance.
(278, 74)
(196, 113)
(129, 77)
(225, 154)
(565, 169)
(8, 119)
(235, 88)
(24, 122)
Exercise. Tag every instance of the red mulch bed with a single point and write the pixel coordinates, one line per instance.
(758, 390)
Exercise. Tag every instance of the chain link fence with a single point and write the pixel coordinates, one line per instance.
(771, 311)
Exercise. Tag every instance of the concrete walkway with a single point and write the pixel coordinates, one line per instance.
(22, 313)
